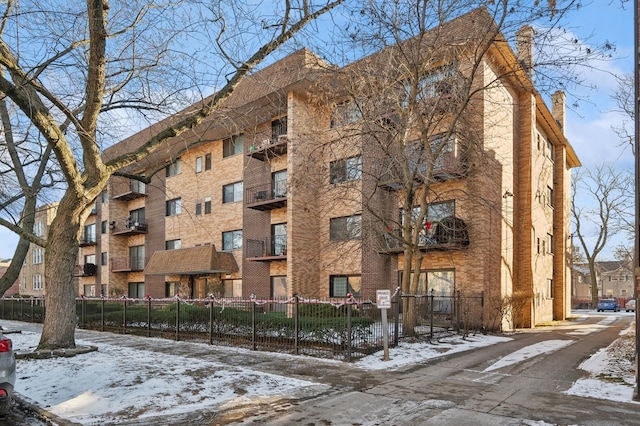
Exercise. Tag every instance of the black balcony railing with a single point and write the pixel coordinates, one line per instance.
(126, 190)
(129, 226)
(267, 197)
(449, 233)
(267, 248)
(88, 240)
(128, 264)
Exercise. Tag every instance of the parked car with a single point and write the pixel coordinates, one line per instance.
(608, 305)
(630, 306)
(7, 373)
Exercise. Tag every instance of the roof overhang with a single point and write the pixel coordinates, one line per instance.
(200, 260)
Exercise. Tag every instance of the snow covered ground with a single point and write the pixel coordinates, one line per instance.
(97, 387)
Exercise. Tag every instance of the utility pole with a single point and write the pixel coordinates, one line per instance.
(636, 252)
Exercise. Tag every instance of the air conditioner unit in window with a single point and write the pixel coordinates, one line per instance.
(265, 142)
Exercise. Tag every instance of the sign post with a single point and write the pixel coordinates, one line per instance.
(383, 301)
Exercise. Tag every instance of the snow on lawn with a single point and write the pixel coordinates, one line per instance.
(93, 388)
(611, 371)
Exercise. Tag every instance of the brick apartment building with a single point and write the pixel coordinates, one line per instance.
(246, 204)
(31, 278)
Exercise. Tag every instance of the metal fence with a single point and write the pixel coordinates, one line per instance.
(342, 329)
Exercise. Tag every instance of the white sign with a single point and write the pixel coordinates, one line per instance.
(383, 299)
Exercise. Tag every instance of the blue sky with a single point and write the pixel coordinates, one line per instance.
(588, 127)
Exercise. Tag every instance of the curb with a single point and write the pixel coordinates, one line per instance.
(45, 415)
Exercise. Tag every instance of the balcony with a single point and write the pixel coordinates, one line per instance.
(128, 227)
(448, 167)
(129, 190)
(266, 197)
(128, 264)
(268, 148)
(88, 240)
(86, 270)
(449, 234)
(266, 249)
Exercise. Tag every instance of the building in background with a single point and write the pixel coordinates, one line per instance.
(246, 204)
(31, 280)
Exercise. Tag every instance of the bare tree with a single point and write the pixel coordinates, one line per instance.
(623, 97)
(76, 71)
(606, 202)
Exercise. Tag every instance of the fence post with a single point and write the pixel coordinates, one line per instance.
(102, 314)
(83, 311)
(177, 319)
(458, 312)
(396, 327)
(432, 297)
(254, 342)
(148, 315)
(296, 324)
(124, 315)
(349, 349)
(211, 319)
(33, 311)
(21, 310)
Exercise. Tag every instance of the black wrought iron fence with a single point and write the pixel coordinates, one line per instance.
(338, 328)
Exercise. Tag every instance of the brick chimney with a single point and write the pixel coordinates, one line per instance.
(524, 48)
(558, 108)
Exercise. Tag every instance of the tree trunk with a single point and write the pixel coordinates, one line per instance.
(60, 260)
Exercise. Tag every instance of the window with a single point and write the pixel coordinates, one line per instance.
(207, 205)
(345, 228)
(347, 169)
(198, 164)
(341, 285)
(136, 290)
(90, 233)
(103, 227)
(550, 243)
(174, 207)
(550, 150)
(279, 287)
(136, 258)
(232, 192)
(90, 259)
(207, 162)
(440, 147)
(278, 128)
(103, 258)
(90, 290)
(436, 213)
(550, 288)
(37, 282)
(232, 288)
(38, 229)
(38, 255)
(279, 239)
(198, 208)
(538, 244)
(171, 288)
(104, 196)
(279, 183)
(172, 244)
(174, 168)
(232, 240)
(549, 196)
(433, 83)
(233, 145)
(346, 112)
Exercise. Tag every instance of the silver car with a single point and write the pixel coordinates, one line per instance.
(630, 306)
(7, 373)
